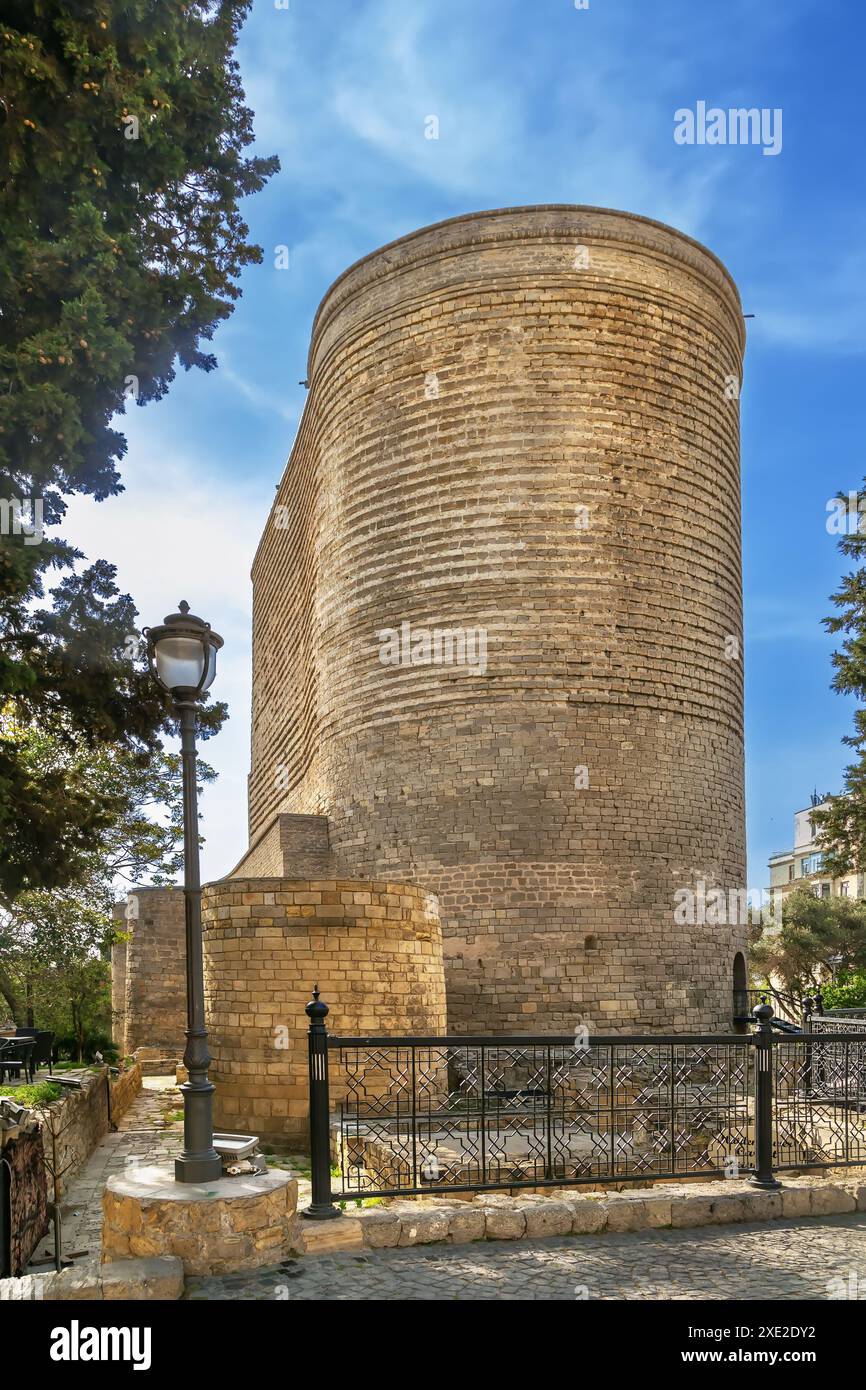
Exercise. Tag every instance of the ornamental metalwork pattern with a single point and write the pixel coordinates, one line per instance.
(452, 1114)
(819, 1097)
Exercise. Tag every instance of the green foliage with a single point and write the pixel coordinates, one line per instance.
(119, 258)
(814, 931)
(849, 992)
(54, 942)
(841, 826)
(75, 1054)
(40, 1093)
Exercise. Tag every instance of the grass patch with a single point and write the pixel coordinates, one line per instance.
(40, 1093)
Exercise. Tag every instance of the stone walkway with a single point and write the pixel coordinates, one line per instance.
(142, 1134)
(814, 1258)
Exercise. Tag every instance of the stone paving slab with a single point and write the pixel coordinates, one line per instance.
(812, 1259)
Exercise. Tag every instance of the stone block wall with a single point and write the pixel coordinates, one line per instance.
(375, 949)
(118, 986)
(525, 424)
(21, 1152)
(149, 972)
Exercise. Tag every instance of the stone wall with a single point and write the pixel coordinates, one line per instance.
(21, 1150)
(523, 423)
(118, 989)
(374, 948)
(79, 1119)
(153, 969)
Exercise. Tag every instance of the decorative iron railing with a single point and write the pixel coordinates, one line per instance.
(785, 1006)
(438, 1115)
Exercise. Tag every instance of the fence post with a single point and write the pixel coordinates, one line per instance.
(763, 1035)
(321, 1206)
(808, 1005)
(819, 1002)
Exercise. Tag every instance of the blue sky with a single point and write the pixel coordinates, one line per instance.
(537, 103)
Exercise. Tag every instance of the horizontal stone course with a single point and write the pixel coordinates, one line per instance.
(472, 387)
(376, 954)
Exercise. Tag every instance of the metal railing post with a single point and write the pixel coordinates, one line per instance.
(763, 1044)
(321, 1206)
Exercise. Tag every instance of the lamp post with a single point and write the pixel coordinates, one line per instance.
(181, 654)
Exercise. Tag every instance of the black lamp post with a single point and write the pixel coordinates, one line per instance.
(182, 658)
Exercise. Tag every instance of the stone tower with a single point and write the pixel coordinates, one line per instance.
(497, 634)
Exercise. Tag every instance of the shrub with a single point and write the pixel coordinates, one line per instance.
(40, 1093)
(849, 992)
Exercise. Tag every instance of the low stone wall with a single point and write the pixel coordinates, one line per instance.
(124, 1088)
(489, 1216)
(79, 1119)
(128, 1280)
(215, 1228)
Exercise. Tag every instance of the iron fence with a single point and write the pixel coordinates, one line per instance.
(439, 1115)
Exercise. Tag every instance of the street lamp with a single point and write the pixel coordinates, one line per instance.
(181, 655)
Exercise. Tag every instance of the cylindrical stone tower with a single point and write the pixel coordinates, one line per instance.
(498, 612)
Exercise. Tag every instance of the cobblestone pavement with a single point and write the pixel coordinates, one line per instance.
(777, 1260)
(142, 1133)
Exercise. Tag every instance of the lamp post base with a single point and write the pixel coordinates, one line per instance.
(766, 1184)
(198, 1168)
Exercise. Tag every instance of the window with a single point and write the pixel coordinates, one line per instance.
(825, 890)
(790, 872)
(843, 890)
(811, 864)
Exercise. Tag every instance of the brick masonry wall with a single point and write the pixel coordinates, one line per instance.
(154, 1011)
(375, 949)
(472, 387)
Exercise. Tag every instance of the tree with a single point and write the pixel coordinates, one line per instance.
(814, 932)
(841, 825)
(50, 938)
(122, 137)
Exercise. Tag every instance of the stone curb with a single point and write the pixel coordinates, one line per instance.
(158, 1278)
(494, 1217)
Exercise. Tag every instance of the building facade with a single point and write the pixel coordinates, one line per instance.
(803, 866)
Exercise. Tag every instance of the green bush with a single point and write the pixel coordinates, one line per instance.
(849, 992)
(96, 1042)
(40, 1093)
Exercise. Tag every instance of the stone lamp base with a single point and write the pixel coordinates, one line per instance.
(214, 1228)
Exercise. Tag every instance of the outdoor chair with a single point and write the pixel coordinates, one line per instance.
(44, 1045)
(16, 1055)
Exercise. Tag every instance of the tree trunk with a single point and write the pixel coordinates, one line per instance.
(7, 990)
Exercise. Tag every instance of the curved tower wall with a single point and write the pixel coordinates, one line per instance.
(522, 424)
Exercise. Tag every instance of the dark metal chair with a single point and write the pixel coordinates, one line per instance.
(42, 1056)
(17, 1055)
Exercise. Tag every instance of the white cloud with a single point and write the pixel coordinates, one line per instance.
(177, 532)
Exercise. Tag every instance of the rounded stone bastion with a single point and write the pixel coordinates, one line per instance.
(373, 948)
